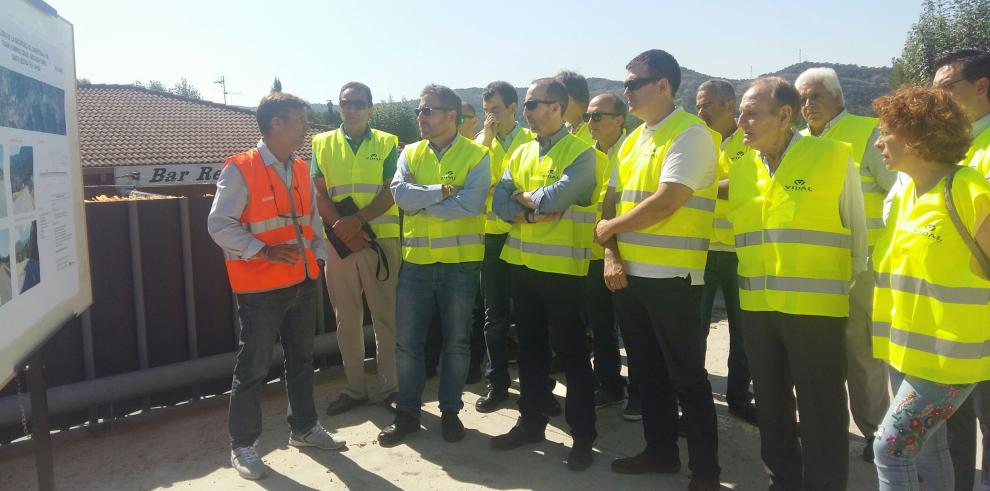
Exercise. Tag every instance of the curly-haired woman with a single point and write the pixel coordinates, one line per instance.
(931, 308)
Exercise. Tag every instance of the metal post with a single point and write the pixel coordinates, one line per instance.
(137, 277)
(39, 424)
(89, 359)
(188, 287)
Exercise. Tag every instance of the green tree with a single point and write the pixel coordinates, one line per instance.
(397, 118)
(185, 89)
(277, 85)
(152, 85)
(944, 25)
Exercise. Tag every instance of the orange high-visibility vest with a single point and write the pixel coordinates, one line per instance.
(269, 216)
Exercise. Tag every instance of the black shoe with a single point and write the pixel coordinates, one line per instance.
(647, 462)
(604, 398)
(633, 410)
(475, 374)
(516, 437)
(394, 433)
(343, 404)
(704, 483)
(868, 449)
(745, 412)
(580, 455)
(552, 408)
(452, 429)
(490, 401)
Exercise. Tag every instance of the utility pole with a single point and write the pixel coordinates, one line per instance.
(799, 55)
(223, 85)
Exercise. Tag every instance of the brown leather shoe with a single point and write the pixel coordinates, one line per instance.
(343, 404)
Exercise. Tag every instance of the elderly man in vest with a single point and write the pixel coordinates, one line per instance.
(265, 219)
(965, 74)
(656, 247)
(800, 230)
(352, 168)
(550, 193)
(822, 106)
(441, 184)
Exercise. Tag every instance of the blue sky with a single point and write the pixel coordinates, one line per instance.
(397, 47)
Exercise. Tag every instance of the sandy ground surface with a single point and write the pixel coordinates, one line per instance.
(186, 448)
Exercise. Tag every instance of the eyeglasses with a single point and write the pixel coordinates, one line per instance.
(532, 104)
(948, 85)
(428, 111)
(596, 117)
(349, 104)
(634, 84)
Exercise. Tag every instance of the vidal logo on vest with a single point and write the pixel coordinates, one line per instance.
(799, 185)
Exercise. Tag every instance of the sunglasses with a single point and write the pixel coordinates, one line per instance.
(349, 104)
(596, 117)
(532, 104)
(428, 111)
(634, 84)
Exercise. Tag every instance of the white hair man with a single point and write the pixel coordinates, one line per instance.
(823, 108)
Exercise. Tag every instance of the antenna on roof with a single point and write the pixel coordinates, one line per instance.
(223, 84)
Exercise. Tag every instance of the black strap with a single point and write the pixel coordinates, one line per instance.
(382, 261)
(981, 257)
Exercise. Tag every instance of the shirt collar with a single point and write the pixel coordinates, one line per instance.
(268, 157)
(365, 134)
(833, 122)
(554, 138)
(794, 138)
(440, 152)
(655, 127)
(509, 136)
(981, 125)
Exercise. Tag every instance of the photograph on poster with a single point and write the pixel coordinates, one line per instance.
(22, 178)
(27, 257)
(28, 104)
(6, 283)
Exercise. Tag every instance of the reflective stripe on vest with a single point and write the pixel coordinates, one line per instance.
(427, 239)
(267, 215)
(931, 304)
(499, 158)
(794, 253)
(562, 246)
(358, 175)
(679, 242)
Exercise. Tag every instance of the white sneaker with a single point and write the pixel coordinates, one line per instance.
(247, 463)
(317, 437)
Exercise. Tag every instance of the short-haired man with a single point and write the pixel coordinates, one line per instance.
(965, 74)
(440, 183)
(502, 135)
(715, 102)
(353, 166)
(823, 108)
(606, 118)
(797, 213)
(550, 193)
(265, 218)
(469, 121)
(577, 104)
(666, 190)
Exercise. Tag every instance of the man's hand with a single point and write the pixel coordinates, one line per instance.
(615, 273)
(347, 227)
(357, 243)
(490, 129)
(282, 253)
(603, 231)
(525, 199)
(448, 190)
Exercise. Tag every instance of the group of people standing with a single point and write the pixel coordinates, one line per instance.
(834, 270)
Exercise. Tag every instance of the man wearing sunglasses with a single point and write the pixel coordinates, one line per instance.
(605, 119)
(440, 184)
(469, 121)
(577, 104)
(502, 135)
(356, 163)
(265, 218)
(550, 193)
(663, 221)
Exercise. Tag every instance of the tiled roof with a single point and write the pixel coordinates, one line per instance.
(129, 125)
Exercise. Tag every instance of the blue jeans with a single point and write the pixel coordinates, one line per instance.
(423, 290)
(911, 445)
(290, 315)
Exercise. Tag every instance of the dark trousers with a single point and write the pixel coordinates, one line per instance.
(288, 314)
(962, 436)
(720, 273)
(806, 354)
(497, 290)
(666, 346)
(600, 315)
(547, 317)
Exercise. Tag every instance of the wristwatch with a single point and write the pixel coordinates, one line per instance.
(529, 217)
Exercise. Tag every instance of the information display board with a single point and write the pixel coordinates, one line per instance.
(44, 263)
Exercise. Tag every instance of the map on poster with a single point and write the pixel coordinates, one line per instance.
(44, 264)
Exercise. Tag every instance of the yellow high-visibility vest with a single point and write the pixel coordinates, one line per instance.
(795, 255)
(597, 251)
(678, 244)
(732, 150)
(499, 159)
(562, 246)
(978, 155)
(931, 305)
(427, 239)
(357, 175)
(584, 133)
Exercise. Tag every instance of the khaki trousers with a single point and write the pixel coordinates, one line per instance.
(866, 375)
